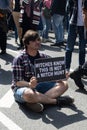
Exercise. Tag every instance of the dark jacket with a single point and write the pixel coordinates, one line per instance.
(3, 20)
(58, 7)
(73, 11)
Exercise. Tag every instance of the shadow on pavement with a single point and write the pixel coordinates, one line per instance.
(5, 73)
(82, 91)
(60, 119)
(30, 114)
(7, 58)
(54, 116)
(12, 46)
(5, 77)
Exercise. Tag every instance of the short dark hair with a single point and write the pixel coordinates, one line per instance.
(30, 35)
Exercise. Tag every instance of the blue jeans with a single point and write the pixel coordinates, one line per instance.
(58, 27)
(41, 87)
(46, 26)
(72, 34)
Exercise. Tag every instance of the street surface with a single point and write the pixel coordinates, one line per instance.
(16, 117)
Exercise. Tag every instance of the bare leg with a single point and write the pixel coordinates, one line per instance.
(49, 97)
(31, 96)
(57, 90)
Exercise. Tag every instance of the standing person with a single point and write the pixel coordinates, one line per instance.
(81, 71)
(4, 6)
(46, 19)
(25, 86)
(30, 15)
(58, 12)
(76, 26)
(16, 14)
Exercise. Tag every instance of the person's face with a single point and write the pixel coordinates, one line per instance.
(35, 45)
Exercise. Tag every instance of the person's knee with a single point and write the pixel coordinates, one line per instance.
(64, 85)
(29, 96)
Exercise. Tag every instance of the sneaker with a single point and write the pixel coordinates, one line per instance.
(3, 52)
(43, 40)
(36, 107)
(84, 77)
(58, 44)
(61, 44)
(77, 79)
(64, 101)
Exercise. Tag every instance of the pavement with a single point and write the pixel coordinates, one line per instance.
(16, 117)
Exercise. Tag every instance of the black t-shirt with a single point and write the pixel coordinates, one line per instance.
(32, 58)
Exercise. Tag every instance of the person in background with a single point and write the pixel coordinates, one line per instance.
(16, 12)
(25, 86)
(76, 27)
(81, 71)
(58, 10)
(4, 8)
(46, 19)
(29, 16)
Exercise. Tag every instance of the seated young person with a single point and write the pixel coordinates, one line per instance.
(25, 86)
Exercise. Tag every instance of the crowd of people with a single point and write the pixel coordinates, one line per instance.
(30, 17)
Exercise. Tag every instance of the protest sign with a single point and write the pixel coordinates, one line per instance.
(50, 69)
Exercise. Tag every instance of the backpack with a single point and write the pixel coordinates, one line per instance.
(32, 10)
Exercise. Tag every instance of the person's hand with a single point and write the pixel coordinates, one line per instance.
(33, 82)
(67, 75)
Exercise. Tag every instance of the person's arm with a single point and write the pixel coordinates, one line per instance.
(31, 84)
(22, 83)
(18, 74)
